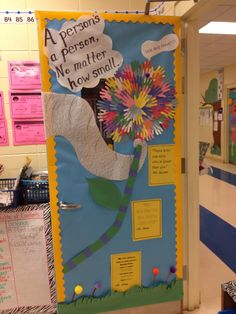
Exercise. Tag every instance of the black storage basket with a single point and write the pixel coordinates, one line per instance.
(8, 192)
(34, 191)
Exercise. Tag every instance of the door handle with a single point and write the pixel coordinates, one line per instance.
(66, 206)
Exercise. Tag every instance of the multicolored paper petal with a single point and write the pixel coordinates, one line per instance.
(139, 102)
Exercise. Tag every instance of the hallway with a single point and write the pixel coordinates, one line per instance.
(218, 234)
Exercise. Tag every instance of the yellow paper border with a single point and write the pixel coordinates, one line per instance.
(133, 231)
(177, 141)
(46, 85)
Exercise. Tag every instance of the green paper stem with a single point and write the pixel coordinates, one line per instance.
(116, 226)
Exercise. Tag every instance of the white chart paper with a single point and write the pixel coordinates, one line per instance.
(24, 277)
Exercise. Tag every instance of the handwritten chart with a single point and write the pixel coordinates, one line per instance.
(24, 277)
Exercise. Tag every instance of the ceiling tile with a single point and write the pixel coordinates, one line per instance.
(228, 16)
(215, 13)
(217, 51)
(208, 38)
(227, 2)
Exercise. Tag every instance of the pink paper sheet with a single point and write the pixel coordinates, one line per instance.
(24, 75)
(25, 104)
(2, 111)
(3, 133)
(28, 132)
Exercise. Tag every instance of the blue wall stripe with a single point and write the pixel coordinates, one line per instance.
(227, 312)
(224, 176)
(219, 236)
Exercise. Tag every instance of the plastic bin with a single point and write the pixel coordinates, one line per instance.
(34, 191)
(9, 197)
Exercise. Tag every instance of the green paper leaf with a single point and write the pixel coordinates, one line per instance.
(105, 193)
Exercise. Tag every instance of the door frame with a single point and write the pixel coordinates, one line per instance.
(190, 151)
(190, 148)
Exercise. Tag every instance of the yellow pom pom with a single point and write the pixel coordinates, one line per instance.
(78, 289)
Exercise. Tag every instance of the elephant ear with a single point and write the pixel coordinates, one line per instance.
(104, 193)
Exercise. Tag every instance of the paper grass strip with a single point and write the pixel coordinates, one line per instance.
(138, 102)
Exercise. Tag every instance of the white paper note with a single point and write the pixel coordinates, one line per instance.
(220, 116)
(215, 127)
(215, 115)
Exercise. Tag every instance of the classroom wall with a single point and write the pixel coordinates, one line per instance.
(230, 75)
(178, 8)
(20, 42)
(206, 131)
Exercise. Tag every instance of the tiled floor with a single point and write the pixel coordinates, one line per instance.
(218, 198)
(213, 272)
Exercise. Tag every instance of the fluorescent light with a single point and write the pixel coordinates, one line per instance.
(226, 28)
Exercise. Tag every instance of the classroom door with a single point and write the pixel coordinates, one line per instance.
(232, 126)
(116, 213)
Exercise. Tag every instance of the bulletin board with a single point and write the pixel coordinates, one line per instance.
(232, 128)
(112, 102)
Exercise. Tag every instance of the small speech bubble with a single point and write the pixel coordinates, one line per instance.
(151, 48)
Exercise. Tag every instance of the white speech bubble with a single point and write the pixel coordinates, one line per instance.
(80, 53)
(167, 43)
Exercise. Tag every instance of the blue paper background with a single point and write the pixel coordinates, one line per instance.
(82, 227)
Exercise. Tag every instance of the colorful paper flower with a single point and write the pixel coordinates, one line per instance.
(139, 101)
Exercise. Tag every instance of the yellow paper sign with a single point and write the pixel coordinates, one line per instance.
(125, 271)
(161, 164)
(147, 219)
